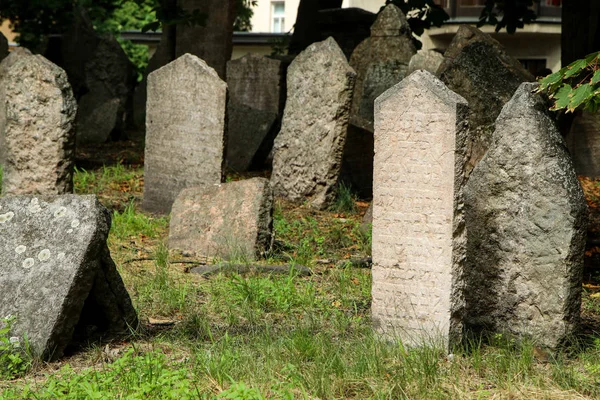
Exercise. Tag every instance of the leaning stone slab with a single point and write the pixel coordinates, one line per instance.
(526, 222)
(56, 274)
(308, 149)
(419, 240)
(380, 62)
(38, 133)
(254, 107)
(185, 122)
(478, 68)
(230, 221)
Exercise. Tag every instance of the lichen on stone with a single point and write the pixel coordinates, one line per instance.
(44, 255)
(6, 217)
(28, 263)
(20, 249)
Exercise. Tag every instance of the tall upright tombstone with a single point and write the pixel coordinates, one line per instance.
(479, 69)
(380, 62)
(39, 132)
(308, 149)
(213, 41)
(419, 239)
(526, 223)
(255, 85)
(185, 122)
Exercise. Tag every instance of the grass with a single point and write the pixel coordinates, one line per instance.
(281, 336)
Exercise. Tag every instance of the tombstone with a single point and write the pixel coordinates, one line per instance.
(308, 149)
(478, 68)
(583, 141)
(185, 124)
(6, 63)
(102, 78)
(348, 26)
(254, 107)
(419, 240)
(3, 47)
(38, 134)
(212, 42)
(526, 223)
(233, 221)
(56, 274)
(429, 60)
(380, 62)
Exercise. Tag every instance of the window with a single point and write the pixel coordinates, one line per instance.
(277, 16)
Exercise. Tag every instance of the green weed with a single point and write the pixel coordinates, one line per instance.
(15, 358)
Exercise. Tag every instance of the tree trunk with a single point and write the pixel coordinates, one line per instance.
(306, 30)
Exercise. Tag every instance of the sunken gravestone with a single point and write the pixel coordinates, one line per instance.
(211, 41)
(56, 274)
(380, 62)
(185, 121)
(429, 60)
(526, 223)
(308, 149)
(419, 241)
(478, 68)
(231, 221)
(254, 106)
(38, 132)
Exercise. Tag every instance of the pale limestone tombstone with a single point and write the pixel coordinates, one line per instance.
(232, 221)
(255, 85)
(418, 225)
(308, 149)
(526, 224)
(39, 129)
(185, 123)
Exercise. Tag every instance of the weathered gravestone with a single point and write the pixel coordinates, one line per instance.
(185, 121)
(429, 60)
(526, 223)
(6, 63)
(56, 274)
(478, 68)
(419, 240)
(232, 221)
(254, 107)
(583, 141)
(38, 132)
(211, 41)
(308, 149)
(102, 78)
(380, 62)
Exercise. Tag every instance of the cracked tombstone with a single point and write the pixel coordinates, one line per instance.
(39, 128)
(56, 274)
(308, 149)
(233, 221)
(185, 124)
(419, 240)
(479, 69)
(526, 223)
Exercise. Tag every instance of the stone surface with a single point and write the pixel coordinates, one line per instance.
(6, 63)
(100, 73)
(419, 241)
(380, 62)
(583, 142)
(526, 223)
(56, 274)
(478, 68)
(254, 107)
(308, 149)
(185, 124)
(429, 60)
(38, 134)
(232, 221)
(212, 42)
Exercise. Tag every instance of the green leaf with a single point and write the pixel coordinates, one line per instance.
(575, 67)
(550, 80)
(596, 77)
(562, 97)
(580, 95)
